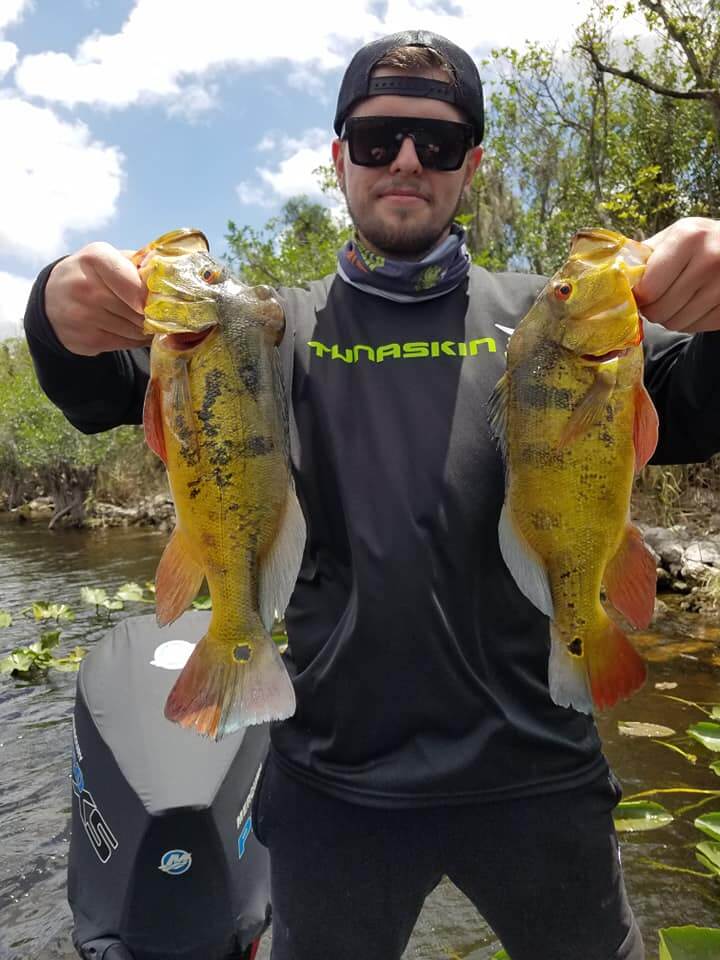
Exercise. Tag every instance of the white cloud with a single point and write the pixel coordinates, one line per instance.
(177, 44)
(8, 56)
(12, 10)
(54, 178)
(14, 292)
(293, 174)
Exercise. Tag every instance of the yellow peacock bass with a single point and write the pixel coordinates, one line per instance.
(575, 423)
(215, 413)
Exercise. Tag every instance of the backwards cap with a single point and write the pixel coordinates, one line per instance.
(465, 92)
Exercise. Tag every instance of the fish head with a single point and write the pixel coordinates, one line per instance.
(590, 299)
(190, 294)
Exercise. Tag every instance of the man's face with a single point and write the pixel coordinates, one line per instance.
(402, 209)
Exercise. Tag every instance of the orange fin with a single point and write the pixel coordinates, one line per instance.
(217, 694)
(153, 419)
(615, 669)
(592, 406)
(630, 579)
(645, 428)
(177, 580)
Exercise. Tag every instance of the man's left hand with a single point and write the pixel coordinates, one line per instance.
(681, 285)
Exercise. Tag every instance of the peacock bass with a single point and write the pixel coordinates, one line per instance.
(575, 424)
(215, 412)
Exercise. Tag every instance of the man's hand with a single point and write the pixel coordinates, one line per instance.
(94, 301)
(681, 285)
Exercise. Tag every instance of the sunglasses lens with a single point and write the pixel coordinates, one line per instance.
(376, 141)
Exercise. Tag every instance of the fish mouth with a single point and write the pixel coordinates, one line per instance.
(187, 340)
(604, 357)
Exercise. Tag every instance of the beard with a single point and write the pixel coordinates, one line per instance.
(401, 240)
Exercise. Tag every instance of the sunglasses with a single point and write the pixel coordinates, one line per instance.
(376, 141)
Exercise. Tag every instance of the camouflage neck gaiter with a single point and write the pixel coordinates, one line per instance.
(443, 269)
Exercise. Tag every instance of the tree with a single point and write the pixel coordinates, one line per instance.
(39, 449)
(298, 245)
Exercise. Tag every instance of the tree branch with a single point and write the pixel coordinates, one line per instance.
(678, 35)
(638, 78)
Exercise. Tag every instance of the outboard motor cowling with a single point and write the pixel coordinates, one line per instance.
(163, 861)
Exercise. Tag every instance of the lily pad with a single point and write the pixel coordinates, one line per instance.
(709, 823)
(689, 943)
(203, 602)
(131, 592)
(708, 853)
(707, 733)
(715, 711)
(631, 816)
(500, 955)
(632, 728)
(715, 767)
(5, 618)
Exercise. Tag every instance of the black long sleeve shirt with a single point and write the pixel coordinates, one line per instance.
(419, 667)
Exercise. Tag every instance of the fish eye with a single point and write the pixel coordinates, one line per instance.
(211, 275)
(563, 290)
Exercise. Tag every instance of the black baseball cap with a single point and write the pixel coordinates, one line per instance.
(465, 92)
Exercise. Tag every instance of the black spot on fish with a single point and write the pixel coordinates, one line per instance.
(248, 373)
(544, 520)
(544, 396)
(575, 647)
(222, 479)
(242, 653)
(194, 487)
(213, 388)
(257, 446)
(220, 453)
(540, 455)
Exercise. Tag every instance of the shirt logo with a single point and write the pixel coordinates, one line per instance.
(414, 350)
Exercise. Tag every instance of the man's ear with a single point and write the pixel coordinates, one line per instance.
(474, 158)
(338, 156)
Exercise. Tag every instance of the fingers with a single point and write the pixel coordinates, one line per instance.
(681, 285)
(120, 278)
(94, 301)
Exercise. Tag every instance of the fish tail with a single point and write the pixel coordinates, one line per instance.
(593, 671)
(615, 669)
(224, 687)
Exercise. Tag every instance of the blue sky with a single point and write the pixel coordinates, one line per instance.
(122, 119)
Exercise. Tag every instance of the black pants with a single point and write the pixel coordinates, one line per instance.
(348, 882)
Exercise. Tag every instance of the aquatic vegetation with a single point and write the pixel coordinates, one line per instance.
(689, 943)
(32, 662)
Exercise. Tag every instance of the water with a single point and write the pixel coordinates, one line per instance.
(35, 749)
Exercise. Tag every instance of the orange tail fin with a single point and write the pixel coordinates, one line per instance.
(222, 688)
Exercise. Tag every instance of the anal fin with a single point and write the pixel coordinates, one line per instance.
(278, 569)
(177, 579)
(523, 563)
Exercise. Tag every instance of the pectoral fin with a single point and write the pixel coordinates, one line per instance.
(630, 579)
(645, 429)
(592, 406)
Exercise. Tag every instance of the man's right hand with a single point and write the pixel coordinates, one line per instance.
(94, 300)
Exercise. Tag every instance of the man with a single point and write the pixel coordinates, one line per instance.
(425, 742)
